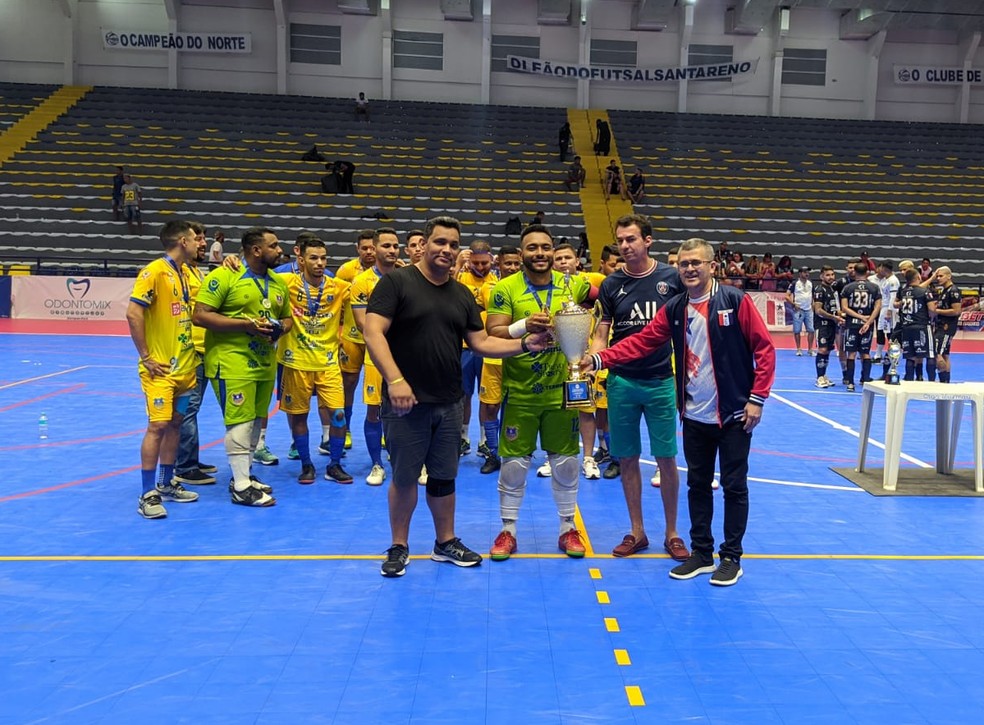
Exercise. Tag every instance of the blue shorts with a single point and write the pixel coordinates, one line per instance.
(629, 401)
(802, 318)
(471, 371)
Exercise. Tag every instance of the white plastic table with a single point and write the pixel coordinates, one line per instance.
(949, 399)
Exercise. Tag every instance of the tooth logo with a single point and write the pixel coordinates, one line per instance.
(77, 288)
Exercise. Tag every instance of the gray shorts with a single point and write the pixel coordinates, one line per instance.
(429, 434)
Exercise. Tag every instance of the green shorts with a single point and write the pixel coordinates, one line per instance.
(243, 401)
(558, 430)
(628, 401)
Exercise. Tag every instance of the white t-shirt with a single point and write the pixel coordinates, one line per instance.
(889, 287)
(702, 398)
(803, 295)
(215, 253)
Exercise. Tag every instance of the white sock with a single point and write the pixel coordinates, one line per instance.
(261, 441)
(239, 463)
(509, 525)
(324, 432)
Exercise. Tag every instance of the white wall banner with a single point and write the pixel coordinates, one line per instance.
(183, 42)
(69, 298)
(938, 76)
(772, 307)
(561, 69)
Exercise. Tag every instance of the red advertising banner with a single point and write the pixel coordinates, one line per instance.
(69, 298)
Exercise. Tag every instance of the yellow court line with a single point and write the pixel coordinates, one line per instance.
(420, 557)
(579, 525)
(622, 657)
(611, 624)
(602, 597)
(634, 693)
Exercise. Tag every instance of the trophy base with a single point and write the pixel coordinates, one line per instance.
(893, 379)
(577, 394)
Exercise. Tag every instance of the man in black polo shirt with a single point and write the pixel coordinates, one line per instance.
(415, 323)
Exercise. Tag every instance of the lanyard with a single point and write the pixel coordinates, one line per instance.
(539, 302)
(264, 289)
(184, 285)
(315, 305)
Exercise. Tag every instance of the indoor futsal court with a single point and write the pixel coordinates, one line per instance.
(853, 609)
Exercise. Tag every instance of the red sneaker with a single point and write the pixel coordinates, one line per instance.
(570, 543)
(503, 547)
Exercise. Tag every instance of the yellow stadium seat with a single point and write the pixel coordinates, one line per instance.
(19, 269)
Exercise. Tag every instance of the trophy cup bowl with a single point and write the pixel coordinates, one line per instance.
(894, 355)
(572, 328)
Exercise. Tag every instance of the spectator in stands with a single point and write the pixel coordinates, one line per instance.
(312, 154)
(603, 138)
(767, 274)
(362, 107)
(575, 175)
(564, 141)
(869, 262)
(637, 186)
(736, 270)
(784, 273)
(925, 269)
(614, 181)
(132, 197)
(537, 219)
(752, 273)
(215, 252)
(346, 171)
(118, 182)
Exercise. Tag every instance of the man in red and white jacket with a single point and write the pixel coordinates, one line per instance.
(725, 365)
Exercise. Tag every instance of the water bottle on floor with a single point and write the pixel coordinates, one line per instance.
(43, 426)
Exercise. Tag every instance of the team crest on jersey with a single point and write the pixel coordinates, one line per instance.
(288, 354)
(329, 356)
(288, 399)
(159, 403)
(237, 398)
(512, 432)
(662, 287)
(280, 299)
(213, 285)
(175, 309)
(500, 299)
(724, 318)
(371, 389)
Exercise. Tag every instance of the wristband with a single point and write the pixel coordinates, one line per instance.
(518, 328)
(522, 342)
(398, 380)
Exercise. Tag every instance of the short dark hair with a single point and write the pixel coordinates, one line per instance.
(645, 227)
(508, 249)
(413, 233)
(303, 237)
(860, 269)
(365, 234)
(448, 222)
(532, 229)
(887, 265)
(480, 246)
(173, 231)
(826, 268)
(609, 251)
(565, 245)
(197, 227)
(309, 242)
(253, 236)
(911, 274)
(386, 230)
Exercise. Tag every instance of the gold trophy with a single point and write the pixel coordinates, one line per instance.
(572, 328)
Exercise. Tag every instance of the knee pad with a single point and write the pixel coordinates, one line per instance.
(564, 470)
(238, 438)
(338, 418)
(439, 487)
(512, 474)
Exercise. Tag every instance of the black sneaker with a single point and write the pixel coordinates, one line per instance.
(194, 477)
(456, 553)
(257, 484)
(694, 566)
(397, 558)
(308, 474)
(601, 455)
(850, 387)
(483, 450)
(463, 447)
(207, 468)
(492, 464)
(728, 572)
(613, 470)
(252, 496)
(324, 448)
(335, 472)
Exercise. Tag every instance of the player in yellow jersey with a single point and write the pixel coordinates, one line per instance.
(490, 387)
(351, 346)
(159, 317)
(414, 245)
(308, 358)
(387, 251)
(473, 269)
(188, 469)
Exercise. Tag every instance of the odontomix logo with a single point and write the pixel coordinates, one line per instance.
(76, 303)
(78, 288)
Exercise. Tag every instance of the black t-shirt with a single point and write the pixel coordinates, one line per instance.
(841, 283)
(861, 296)
(914, 306)
(946, 299)
(428, 323)
(825, 295)
(629, 304)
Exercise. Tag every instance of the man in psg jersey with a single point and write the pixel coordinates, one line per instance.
(860, 305)
(629, 298)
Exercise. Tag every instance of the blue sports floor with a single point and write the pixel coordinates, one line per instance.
(853, 609)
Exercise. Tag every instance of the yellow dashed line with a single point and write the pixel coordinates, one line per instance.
(603, 598)
(622, 657)
(594, 573)
(611, 624)
(635, 696)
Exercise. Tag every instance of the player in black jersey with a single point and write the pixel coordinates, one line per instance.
(838, 287)
(860, 304)
(915, 304)
(949, 302)
(827, 316)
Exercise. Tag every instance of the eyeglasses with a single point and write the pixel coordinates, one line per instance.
(695, 263)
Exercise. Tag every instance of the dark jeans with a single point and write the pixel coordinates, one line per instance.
(702, 444)
(187, 458)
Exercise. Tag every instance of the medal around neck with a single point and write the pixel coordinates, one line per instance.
(572, 328)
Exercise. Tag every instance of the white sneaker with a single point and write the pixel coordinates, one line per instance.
(590, 469)
(827, 382)
(813, 353)
(422, 478)
(544, 470)
(821, 383)
(799, 353)
(376, 476)
(655, 479)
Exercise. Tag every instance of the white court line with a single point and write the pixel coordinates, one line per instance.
(42, 377)
(846, 429)
(795, 484)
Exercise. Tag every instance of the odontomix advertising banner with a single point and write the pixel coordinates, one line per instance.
(70, 298)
